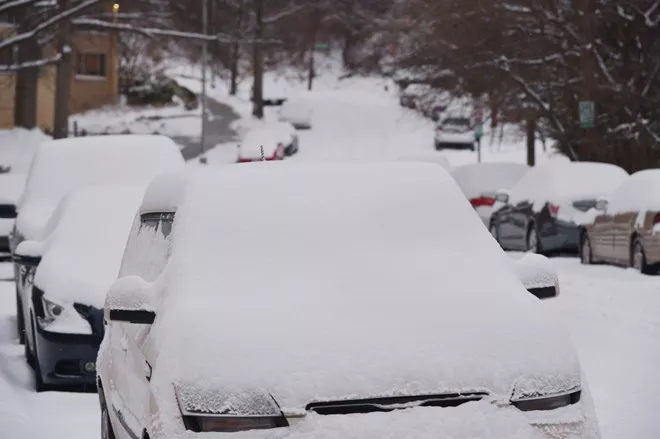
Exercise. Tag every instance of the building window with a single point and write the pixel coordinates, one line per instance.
(7, 17)
(7, 57)
(90, 64)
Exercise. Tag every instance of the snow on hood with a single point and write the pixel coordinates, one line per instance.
(88, 232)
(11, 187)
(481, 178)
(332, 282)
(62, 165)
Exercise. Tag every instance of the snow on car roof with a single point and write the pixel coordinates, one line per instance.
(567, 182)
(87, 234)
(428, 157)
(476, 179)
(638, 193)
(339, 281)
(62, 165)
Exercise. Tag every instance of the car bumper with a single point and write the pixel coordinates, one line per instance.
(455, 140)
(562, 236)
(67, 359)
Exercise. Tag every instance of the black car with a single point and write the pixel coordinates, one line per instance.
(542, 213)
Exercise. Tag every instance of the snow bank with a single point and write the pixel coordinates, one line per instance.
(82, 254)
(347, 281)
(62, 165)
(479, 179)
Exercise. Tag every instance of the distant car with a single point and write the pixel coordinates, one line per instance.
(455, 132)
(328, 301)
(428, 157)
(268, 141)
(542, 213)
(60, 166)
(481, 181)
(70, 272)
(433, 104)
(297, 114)
(411, 96)
(11, 188)
(625, 225)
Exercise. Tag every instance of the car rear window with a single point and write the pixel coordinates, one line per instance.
(460, 121)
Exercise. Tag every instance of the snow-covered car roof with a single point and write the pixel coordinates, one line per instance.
(11, 187)
(477, 179)
(82, 252)
(428, 157)
(638, 193)
(267, 134)
(567, 181)
(344, 280)
(62, 165)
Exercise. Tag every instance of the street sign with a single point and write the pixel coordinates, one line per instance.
(587, 114)
(479, 131)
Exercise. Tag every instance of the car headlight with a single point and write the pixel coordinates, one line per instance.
(61, 318)
(547, 402)
(213, 410)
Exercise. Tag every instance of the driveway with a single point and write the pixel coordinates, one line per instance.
(219, 118)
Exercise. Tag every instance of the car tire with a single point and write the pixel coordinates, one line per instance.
(106, 426)
(586, 252)
(532, 241)
(20, 321)
(638, 258)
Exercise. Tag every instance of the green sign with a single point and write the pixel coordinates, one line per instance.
(322, 46)
(479, 131)
(587, 114)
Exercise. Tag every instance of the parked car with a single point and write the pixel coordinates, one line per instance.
(411, 95)
(434, 103)
(297, 114)
(481, 181)
(268, 141)
(625, 225)
(542, 213)
(70, 271)
(60, 166)
(455, 132)
(428, 157)
(341, 298)
(11, 187)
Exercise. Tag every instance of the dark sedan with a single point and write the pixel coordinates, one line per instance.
(542, 213)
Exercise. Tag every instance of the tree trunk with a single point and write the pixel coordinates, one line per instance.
(233, 88)
(312, 47)
(25, 95)
(258, 63)
(531, 134)
(64, 75)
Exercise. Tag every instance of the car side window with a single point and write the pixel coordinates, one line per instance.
(148, 247)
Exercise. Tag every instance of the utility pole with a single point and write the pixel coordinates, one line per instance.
(64, 75)
(258, 62)
(205, 25)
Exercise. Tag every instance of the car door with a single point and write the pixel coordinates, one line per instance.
(624, 225)
(521, 215)
(601, 237)
(501, 220)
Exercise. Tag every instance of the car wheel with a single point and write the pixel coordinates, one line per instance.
(533, 244)
(585, 250)
(438, 146)
(20, 323)
(638, 258)
(39, 384)
(106, 426)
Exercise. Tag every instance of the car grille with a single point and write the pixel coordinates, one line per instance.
(373, 405)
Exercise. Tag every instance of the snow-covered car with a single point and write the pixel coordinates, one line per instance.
(60, 166)
(481, 181)
(455, 132)
(543, 212)
(537, 274)
(433, 104)
(297, 114)
(268, 141)
(411, 96)
(624, 226)
(71, 271)
(11, 187)
(328, 301)
(428, 157)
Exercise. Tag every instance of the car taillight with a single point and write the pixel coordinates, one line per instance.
(656, 219)
(553, 209)
(482, 201)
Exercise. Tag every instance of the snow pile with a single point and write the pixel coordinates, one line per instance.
(17, 146)
(81, 257)
(62, 165)
(347, 281)
(479, 179)
(269, 135)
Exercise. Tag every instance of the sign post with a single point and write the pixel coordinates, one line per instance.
(587, 114)
(479, 129)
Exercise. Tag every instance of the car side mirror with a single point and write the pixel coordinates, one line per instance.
(130, 300)
(28, 253)
(601, 205)
(7, 211)
(502, 196)
(538, 275)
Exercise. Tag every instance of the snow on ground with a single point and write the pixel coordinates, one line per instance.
(17, 147)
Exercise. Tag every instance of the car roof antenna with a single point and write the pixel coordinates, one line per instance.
(263, 157)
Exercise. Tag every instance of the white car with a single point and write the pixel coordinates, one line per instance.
(60, 166)
(268, 141)
(304, 301)
(454, 132)
(71, 269)
(11, 187)
(481, 181)
(296, 113)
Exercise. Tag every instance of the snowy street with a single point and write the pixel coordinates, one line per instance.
(612, 315)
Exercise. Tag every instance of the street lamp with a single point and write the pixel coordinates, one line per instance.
(115, 8)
